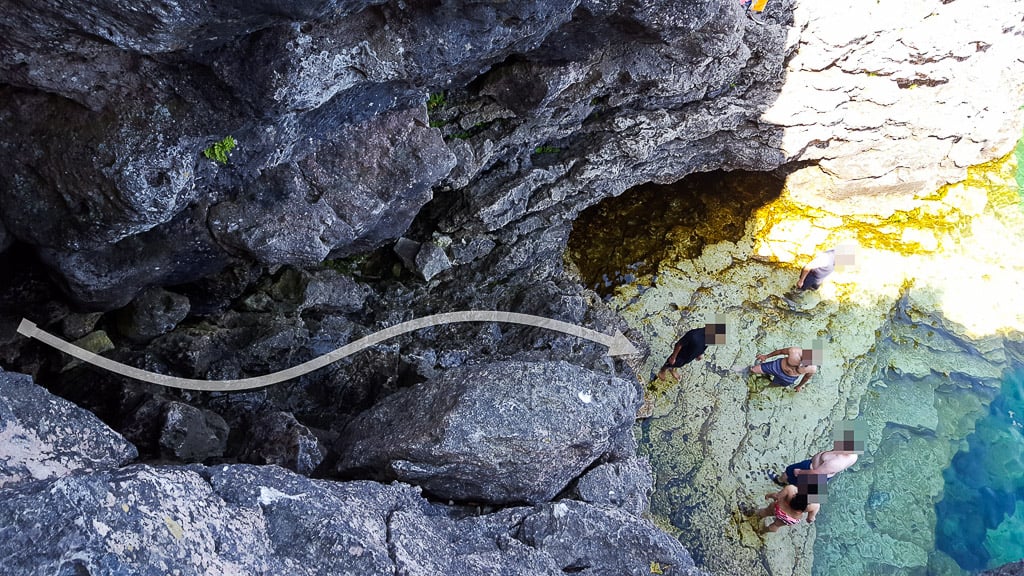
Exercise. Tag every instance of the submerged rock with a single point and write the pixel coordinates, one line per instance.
(495, 433)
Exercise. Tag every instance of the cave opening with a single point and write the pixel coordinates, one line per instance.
(624, 239)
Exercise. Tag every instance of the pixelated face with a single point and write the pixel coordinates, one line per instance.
(849, 436)
(815, 486)
(714, 330)
(809, 356)
(845, 254)
(714, 334)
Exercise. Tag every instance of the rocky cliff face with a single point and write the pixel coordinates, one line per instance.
(270, 180)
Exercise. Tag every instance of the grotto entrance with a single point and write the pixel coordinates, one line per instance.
(623, 239)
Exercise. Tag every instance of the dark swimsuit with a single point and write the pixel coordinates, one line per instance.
(774, 368)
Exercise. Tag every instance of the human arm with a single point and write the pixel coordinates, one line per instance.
(803, 276)
(812, 511)
(810, 371)
(675, 352)
(779, 352)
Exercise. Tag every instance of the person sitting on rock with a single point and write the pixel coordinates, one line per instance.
(691, 347)
(790, 505)
(792, 367)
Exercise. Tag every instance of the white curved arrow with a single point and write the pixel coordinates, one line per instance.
(618, 345)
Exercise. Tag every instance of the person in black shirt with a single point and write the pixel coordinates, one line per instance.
(691, 347)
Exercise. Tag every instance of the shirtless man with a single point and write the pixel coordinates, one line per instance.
(794, 366)
(827, 463)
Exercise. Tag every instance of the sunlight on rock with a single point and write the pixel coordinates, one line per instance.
(912, 338)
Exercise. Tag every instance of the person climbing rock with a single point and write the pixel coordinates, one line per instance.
(794, 366)
(789, 507)
(691, 347)
(815, 272)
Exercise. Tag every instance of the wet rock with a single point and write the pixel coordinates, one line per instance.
(192, 434)
(626, 485)
(594, 540)
(278, 438)
(154, 312)
(496, 433)
(44, 437)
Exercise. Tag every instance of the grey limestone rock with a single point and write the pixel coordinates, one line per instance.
(90, 517)
(607, 541)
(350, 196)
(139, 520)
(278, 438)
(193, 434)
(625, 484)
(331, 291)
(266, 520)
(431, 260)
(153, 312)
(496, 433)
(44, 437)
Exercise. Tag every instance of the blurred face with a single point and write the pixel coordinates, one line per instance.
(714, 334)
(849, 436)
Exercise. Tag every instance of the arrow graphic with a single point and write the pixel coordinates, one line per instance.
(618, 345)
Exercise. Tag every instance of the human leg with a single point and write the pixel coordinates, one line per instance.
(792, 468)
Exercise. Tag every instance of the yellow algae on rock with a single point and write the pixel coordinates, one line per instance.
(913, 341)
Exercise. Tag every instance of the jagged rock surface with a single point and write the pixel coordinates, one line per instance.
(44, 437)
(487, 125)
(497, 434)
(89, 516)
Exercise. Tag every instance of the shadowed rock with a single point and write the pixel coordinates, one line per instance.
(192, 434)
(152, 313)
(278, 438)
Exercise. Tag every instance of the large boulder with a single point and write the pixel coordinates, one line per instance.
(608, 541)
(44, 437)
(266, 520)
(498, 433)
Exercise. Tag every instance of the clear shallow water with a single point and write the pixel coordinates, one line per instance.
(931, 495)
(981, 515)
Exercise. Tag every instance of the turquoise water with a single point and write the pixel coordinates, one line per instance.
(981, 515)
